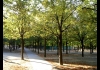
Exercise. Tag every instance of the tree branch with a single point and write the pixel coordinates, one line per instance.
(62, 19)
(51, 31)
(69, 14)
(57, 19)
(66, 28)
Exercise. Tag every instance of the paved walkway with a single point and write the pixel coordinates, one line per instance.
(37, 62)
(34, 62)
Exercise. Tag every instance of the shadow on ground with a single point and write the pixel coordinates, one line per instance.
(72, 61)
(6, 50)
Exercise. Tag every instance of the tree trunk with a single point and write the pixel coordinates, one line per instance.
(63, 47)
(22, 48)
(60, 49)
(91, 48)
(38, 45)
(78, 48)
(45, 47)
(15, 45)
(3, 45)
(66, 48)
(69, 49)
(35, 45)
(9, 45)
(57, 47)
(82, 48)
(52, 47)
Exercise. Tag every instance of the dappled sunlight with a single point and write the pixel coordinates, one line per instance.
(50, 34)
(72, 61)
(12, 61)
(40, 64)
(12, 57)
(73, 66)
(39, 61)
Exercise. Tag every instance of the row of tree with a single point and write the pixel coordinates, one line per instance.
(71, 20)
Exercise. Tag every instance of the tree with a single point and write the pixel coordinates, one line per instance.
(61, 13)
(82, 28)
(18, 21)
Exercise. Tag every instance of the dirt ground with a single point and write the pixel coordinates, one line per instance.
(10, 66)
(72, 61)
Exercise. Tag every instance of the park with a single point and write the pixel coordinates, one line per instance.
(50, 35)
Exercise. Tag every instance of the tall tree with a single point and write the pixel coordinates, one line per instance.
(59, 13)
(18, 21)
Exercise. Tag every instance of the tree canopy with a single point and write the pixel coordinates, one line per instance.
(73, 20)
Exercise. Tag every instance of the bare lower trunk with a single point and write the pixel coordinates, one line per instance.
(57, 47)
(63, 47)
(38, 45)
(35, 46)
(66, 48)
(22, 48)
(91, 48)
(82, 48)
(60, 49)
(45, 47)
